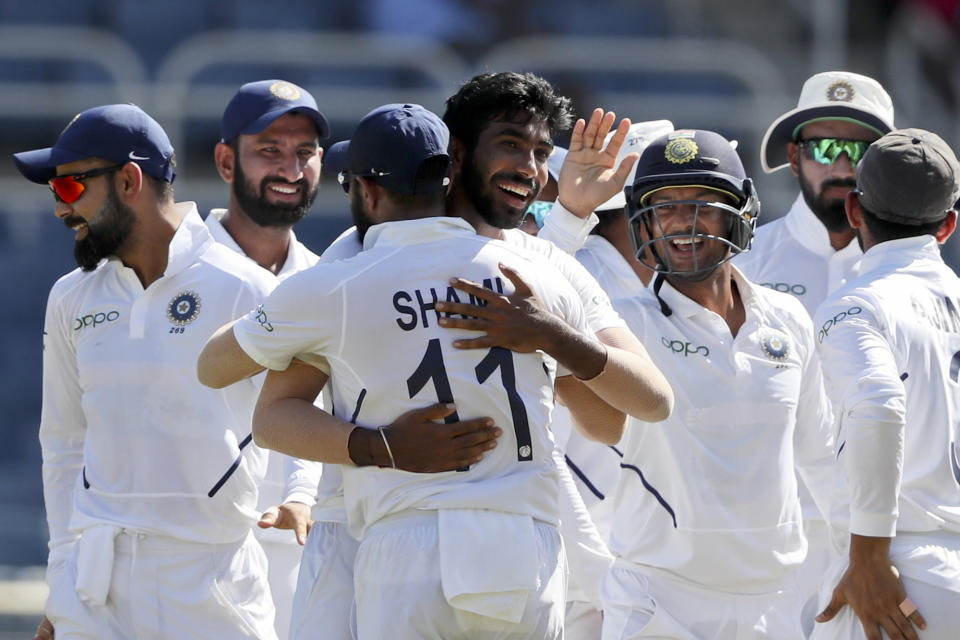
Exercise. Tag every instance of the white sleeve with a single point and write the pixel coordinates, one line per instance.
(565, 229)
(303, 477)
(62, 426)
(814, 446)
(587, 553)
(292, 322)
(869, 400)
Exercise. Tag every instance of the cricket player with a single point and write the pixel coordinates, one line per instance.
(890, 345)
(150, 479)
(811, 251)
(413, 527)
(269, 153)
(707, 528)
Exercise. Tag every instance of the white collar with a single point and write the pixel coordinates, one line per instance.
(806, 227)
(405, 232)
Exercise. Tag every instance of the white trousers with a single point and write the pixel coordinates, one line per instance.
(400, 596)
(283, 565)
(648, 603)
(163, 588)
(323, 603)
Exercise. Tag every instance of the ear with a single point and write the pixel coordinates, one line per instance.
(129, 182)
(948, 227)
(854, 214)
(224, 158)
(370, 192)
(793, 156)
(457, 154)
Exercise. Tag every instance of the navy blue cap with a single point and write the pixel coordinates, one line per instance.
(391, 142)
(257, 104)
(120, 133)
(335, 158)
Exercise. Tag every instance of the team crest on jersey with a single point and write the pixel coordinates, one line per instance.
(184, 307)
(840, 91)
(680, 150)
(285, 91)
(775, 345)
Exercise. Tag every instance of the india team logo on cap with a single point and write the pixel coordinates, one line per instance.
(680, 150)
(840, 91)
(775, 345)
(184, 307)
(285, 91)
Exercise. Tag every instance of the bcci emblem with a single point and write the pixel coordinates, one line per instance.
(775, 345)
(183, 309)
(840, 91)
(284, 91)
(681, 150)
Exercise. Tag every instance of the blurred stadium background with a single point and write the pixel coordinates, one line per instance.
(731, 66)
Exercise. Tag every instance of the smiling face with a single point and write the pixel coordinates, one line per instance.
(101, 221)
(683, 224)
(504, 173)
(277, 171)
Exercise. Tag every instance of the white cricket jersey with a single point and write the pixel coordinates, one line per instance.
(710, 493)
(890, 345)
(129, 435)
(599, 311)
(372, 318)
(288, 479)
(610, 268)
(793, 255)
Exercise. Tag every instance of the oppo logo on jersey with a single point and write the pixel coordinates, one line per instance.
(840, 317)
(686, 348)
(94, 319)
(783, 287)
(414, 306)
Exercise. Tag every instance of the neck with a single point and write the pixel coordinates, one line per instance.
(840, 239)
(459, 205)
(267, 246)
(147, 249)
(717, 293)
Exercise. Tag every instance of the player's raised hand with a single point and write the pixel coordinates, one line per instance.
(421, 444)
(518, 322)
(589, 176)
(289, 515)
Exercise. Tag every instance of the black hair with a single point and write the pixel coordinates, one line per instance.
(884, 230)
(508, 96)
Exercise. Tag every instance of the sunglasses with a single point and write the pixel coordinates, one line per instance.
(344, 177)
(68, 188)
(827, 150)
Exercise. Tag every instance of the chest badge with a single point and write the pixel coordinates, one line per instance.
(775, 345)
(184, 308)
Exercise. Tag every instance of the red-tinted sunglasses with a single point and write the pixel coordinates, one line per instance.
(68, 188)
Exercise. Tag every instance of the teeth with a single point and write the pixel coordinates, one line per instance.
(686, 241)
(76, 226)
(520, 191)
(284, 190)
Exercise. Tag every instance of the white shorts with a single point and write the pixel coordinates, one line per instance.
(922, 560)
(400, 596)
(323, 603)
(164, 588)
(583, 621)
(649, 603)
(283, 565)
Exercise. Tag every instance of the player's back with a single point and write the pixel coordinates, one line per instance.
(390, 355)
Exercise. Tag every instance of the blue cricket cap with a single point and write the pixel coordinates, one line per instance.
(257, 104)
(335, 157)
(391, 142)
(120, 133)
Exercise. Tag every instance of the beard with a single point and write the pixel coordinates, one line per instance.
(360, 217)
(268, 214)
(106, 232)
(479, 195)
(831, 212)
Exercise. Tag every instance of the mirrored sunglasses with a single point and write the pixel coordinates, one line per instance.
(827, 150)
(68, 188)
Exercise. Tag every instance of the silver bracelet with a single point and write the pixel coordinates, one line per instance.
(383, 434)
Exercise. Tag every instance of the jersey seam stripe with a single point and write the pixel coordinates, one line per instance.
(651, 489)
(232, 469)
(583, 478)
